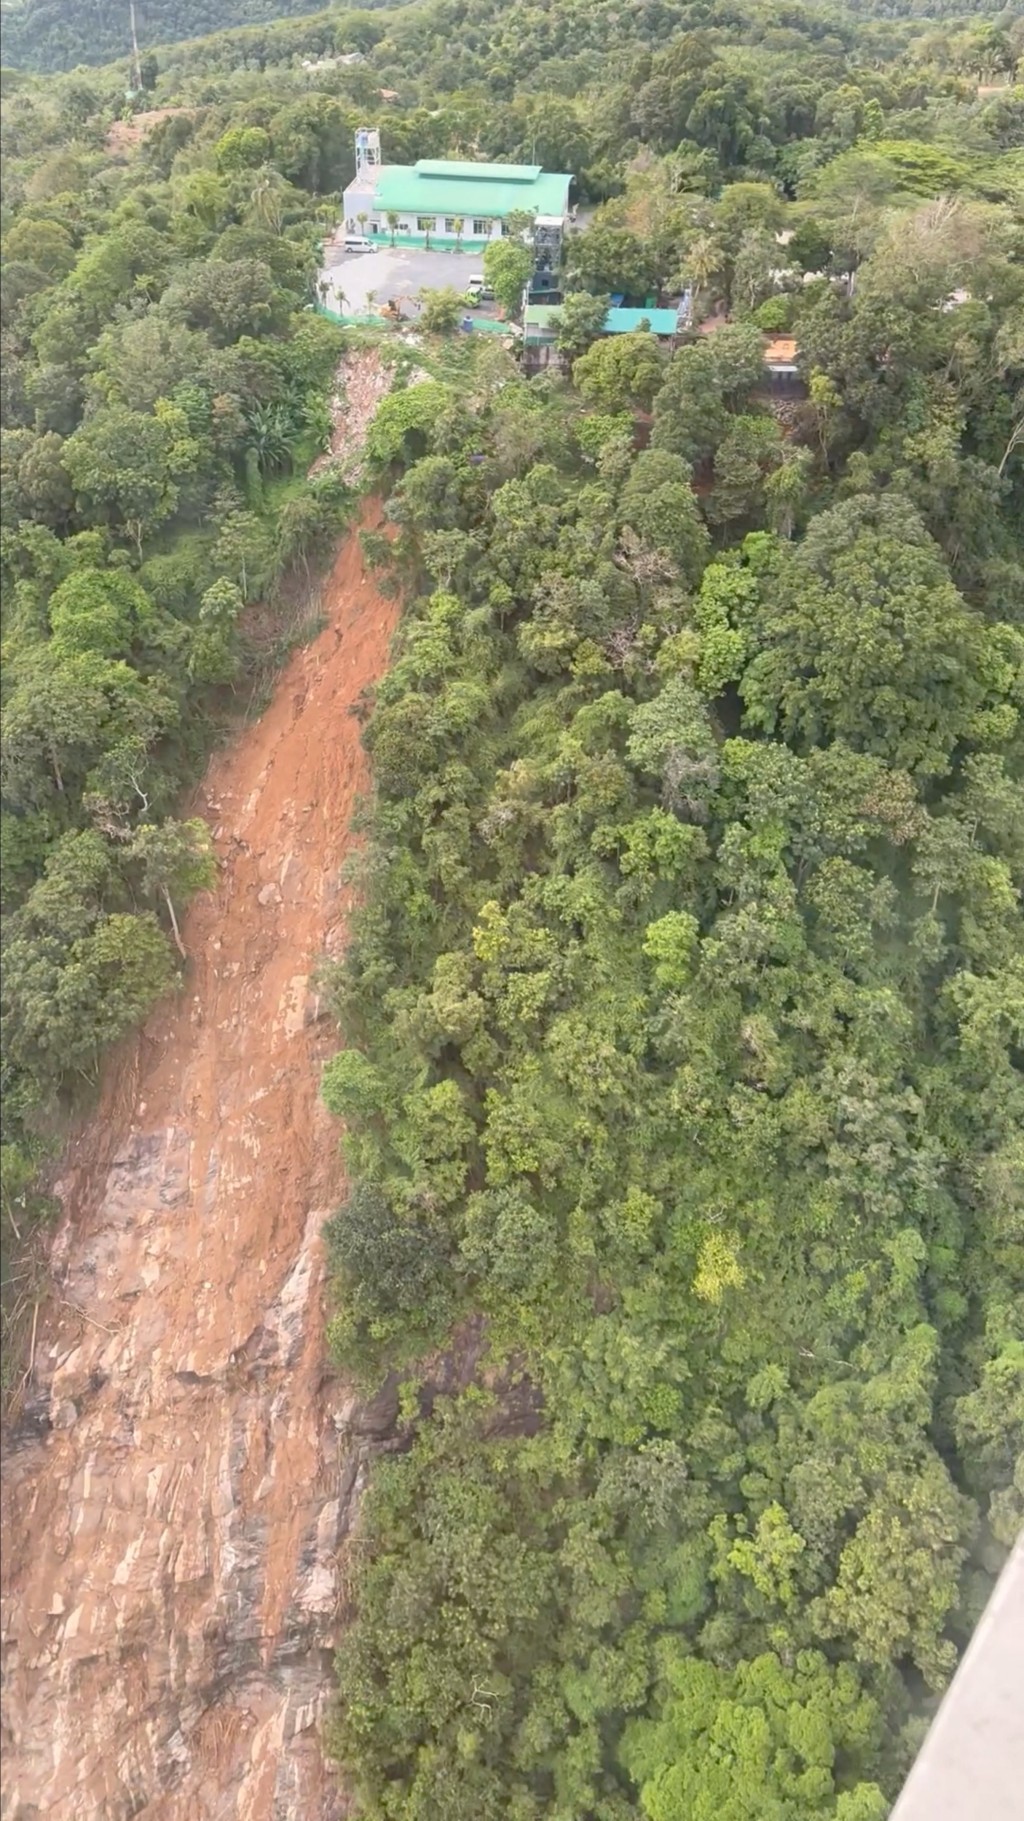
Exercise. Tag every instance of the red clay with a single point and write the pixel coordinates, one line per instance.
(124, 135)
(169, 1546)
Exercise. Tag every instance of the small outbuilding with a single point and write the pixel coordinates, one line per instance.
(539, 323)
(662, 323)
(780, 352)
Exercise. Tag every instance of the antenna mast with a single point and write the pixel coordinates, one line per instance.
(136, 65)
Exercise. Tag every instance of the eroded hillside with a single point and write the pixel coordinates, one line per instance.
(177, 1495)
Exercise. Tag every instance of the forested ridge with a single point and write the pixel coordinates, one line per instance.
(685, 1024)
(684, 1015)
(58, 34)
(685, 1021)
(64, 33)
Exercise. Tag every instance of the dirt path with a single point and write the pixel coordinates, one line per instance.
(169, 1562)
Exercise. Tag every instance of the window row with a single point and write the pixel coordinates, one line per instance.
(426, 224)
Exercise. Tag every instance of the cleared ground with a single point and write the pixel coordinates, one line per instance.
(360, 283)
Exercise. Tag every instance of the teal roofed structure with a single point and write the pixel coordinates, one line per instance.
(539, 327)
(449, 201)
(659, 322)
(469, 171)
(474, 192)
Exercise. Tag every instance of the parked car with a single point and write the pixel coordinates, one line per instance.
(478, 290)
(357, 243)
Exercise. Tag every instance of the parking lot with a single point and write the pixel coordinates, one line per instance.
(359, 284)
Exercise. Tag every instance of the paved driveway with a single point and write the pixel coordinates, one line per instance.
(361, 282)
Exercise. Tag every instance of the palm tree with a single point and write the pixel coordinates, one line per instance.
(362, 219)
(392, 219)
(460, 228)
(202, 195)
(265, 198)
(429, 227)
(701, 266)
(269, 442)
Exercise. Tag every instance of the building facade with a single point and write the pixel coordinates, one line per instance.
(444, 203)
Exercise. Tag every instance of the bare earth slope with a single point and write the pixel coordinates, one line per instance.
(169, 1563)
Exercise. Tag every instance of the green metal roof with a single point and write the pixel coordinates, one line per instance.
(617, 322)
(488, 191)
(477, 173)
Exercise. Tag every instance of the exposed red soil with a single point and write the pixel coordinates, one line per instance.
(122, 135)
(169, 1561)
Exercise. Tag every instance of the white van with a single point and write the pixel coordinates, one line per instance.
(356, 243)
(478, 290)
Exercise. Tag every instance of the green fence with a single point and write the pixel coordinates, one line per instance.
(485, 325)
(434, 243)
(352, 322)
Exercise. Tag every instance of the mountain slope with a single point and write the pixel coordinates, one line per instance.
(58, 34)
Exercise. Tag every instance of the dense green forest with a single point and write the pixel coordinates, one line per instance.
(684, 1015)
(58, 34)
(446, 43)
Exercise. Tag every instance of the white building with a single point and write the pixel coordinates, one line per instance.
(444, 203)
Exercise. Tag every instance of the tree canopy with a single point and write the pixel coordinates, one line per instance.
(682, 1008)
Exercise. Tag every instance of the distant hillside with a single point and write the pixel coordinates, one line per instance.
(58, 34)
